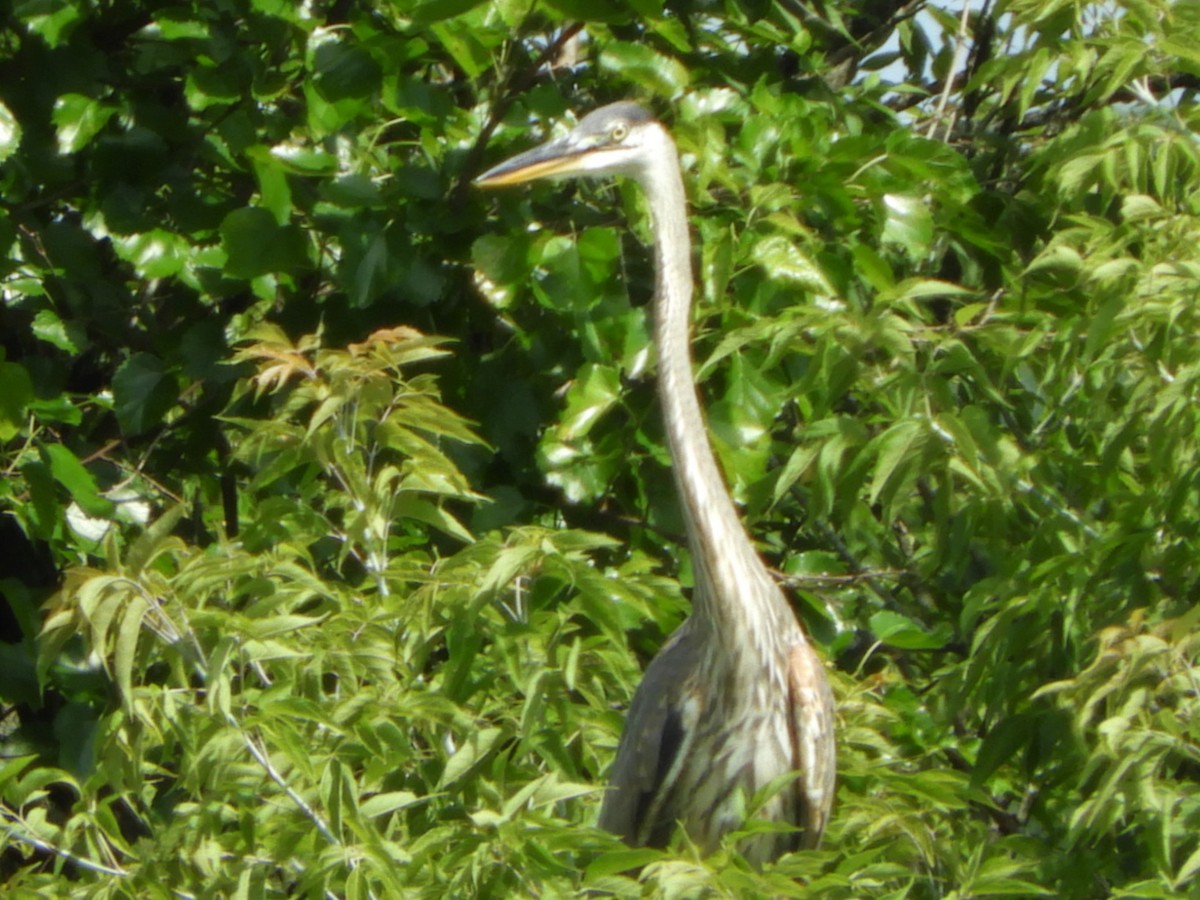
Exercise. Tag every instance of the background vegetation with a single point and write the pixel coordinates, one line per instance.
(336, 525)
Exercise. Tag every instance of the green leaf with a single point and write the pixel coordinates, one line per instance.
(79, 119)
(273, 626)
(66, 336)
(586, 10)
(499, 262)
(896, 630)
(1058, 258)
(10, 133)
(1189, 869)
(799, 463)
(381, 804)
(125, 649)
(475, 750)
(410, 507)
(616, 861)
(155, 254)
(595, 390)
(426, 12)
(274, 192)
(154, 540)
(16, 391)
(143, 393)
(925, 288)
(53, 22)
(255, 244)
(784, 261)
(900, 445)
(460, 40)
(1001, 742)
(641, 64)
(345, 70)
(908, 222)
(351, 191)
(75, 477)
(43, 513)
(11, 769)
(301, 160)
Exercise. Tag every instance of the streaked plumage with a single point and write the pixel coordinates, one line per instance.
(737, 697)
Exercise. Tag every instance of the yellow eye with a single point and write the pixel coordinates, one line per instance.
(619, 132)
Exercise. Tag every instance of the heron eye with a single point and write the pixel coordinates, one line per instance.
(619, 132)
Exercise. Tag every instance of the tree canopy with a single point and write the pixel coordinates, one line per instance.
(336, 518)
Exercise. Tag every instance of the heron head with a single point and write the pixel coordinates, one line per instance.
(619, 139)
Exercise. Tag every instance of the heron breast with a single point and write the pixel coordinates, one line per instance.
(735, 755)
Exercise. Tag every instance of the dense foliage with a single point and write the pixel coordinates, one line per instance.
(336, 522)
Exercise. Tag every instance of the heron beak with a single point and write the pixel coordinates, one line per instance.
(553, 159)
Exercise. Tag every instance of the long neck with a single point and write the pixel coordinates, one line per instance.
(733, 587)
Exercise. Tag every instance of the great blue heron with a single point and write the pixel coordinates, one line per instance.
(737, 697)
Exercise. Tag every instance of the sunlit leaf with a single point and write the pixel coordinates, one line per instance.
(641, 64)
(785, 261)
(10, 133)
(75, 477)
(474, 751)
(908, 222)
(79, 118)
(381, 804)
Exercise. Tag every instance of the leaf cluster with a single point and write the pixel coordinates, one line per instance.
(336, 517)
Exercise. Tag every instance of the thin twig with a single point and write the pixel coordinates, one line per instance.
(802, 581)
(263, 760)
(515, 86)
(960, 41)
(16, 829)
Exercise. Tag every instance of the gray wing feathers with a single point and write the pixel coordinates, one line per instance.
(646, 764)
